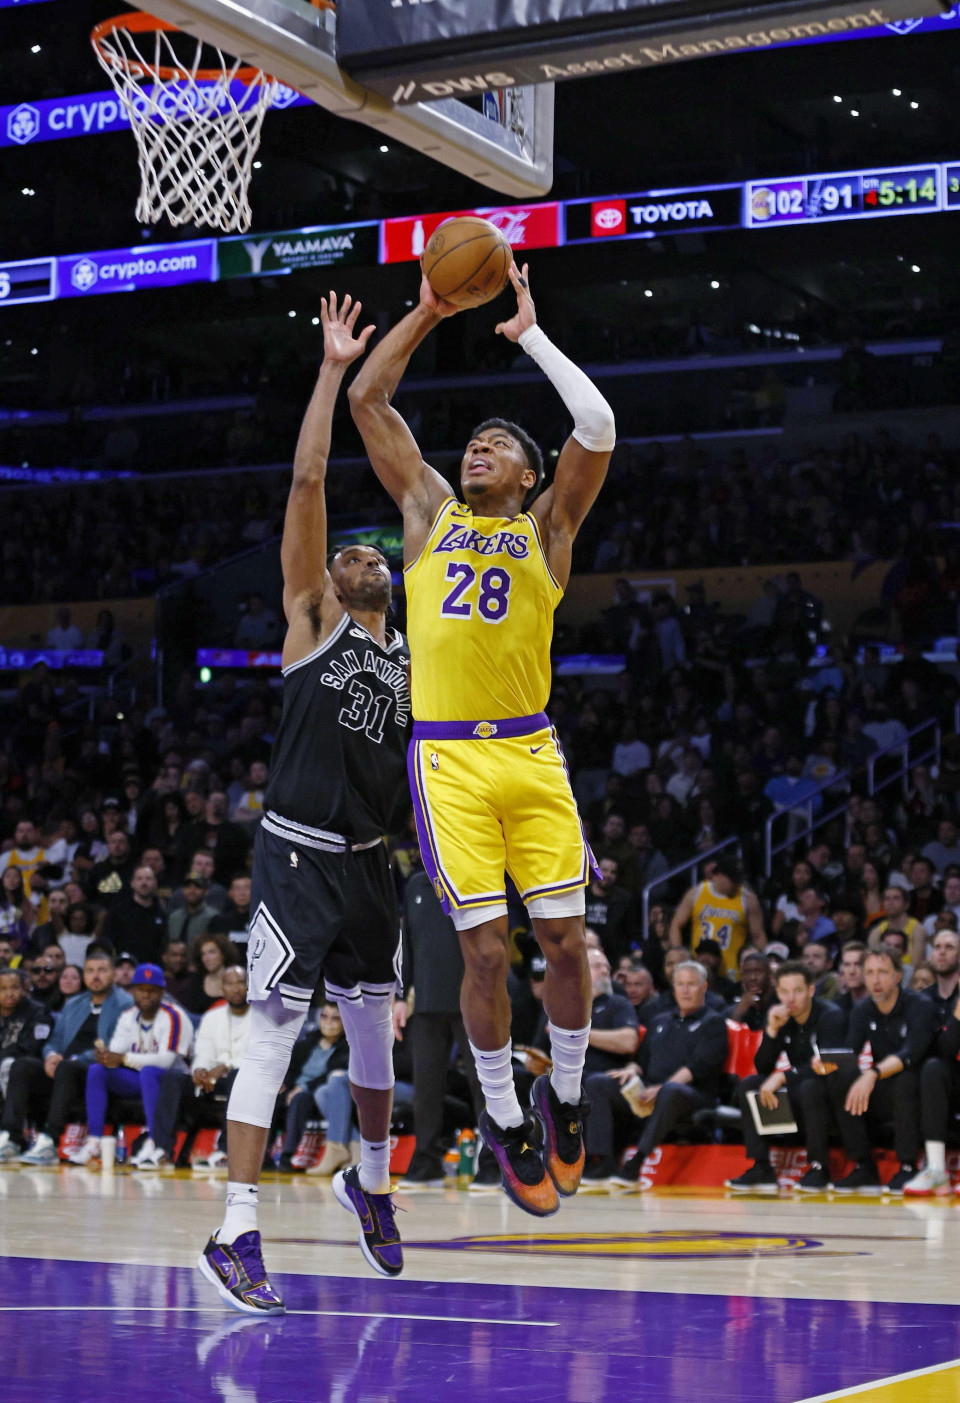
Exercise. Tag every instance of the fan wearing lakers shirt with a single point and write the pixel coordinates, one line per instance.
(484, 573)
(721, 908)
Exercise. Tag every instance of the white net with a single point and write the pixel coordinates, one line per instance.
(197, 129)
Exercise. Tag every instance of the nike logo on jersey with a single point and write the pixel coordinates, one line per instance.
(536, 749)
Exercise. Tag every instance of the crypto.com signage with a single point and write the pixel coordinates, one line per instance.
(90, 114)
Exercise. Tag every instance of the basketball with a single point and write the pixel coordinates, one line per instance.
(467, 261)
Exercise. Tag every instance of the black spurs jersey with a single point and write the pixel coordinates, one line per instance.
(339, 759)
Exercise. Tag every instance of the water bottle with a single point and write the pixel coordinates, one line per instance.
(121, 1153)
(468, 1153)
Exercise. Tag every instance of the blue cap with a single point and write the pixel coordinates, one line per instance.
(149, 974)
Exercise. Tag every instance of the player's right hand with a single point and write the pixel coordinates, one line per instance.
(339, 343)
(438, 305)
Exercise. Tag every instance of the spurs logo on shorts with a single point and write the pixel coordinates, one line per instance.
(270, 954)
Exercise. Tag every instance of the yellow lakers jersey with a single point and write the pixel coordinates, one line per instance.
(720, 918)
(480, 603)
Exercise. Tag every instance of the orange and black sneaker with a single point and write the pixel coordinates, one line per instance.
(518, 1152)
(563, 1154)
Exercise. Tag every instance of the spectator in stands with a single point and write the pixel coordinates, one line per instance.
(235, 917)
(945, 963)
(611, 912)
(853, 988)
(70, 981)
(136, 922)
(814, 924)
(940, 1073)
(46, 1093)
(721, 908)
(872, 888)
(192, 1096)
(125, 969)
(630, 754)
(24, 1028)
(210, 955)
(258, 627)
(167, 820)
(54, 926)
(923, 978)
(432, 975)
(109, 879)
(194, 918)
(671, 649)
(322, 1086)
(643, 864)
(17, 915)
(215, 895)
(900, 1028)
(793, 1029)
(925, 899)
(896, 919)
(81, 926)
(788, 907)
(229, 842)
(249, 807)
(175, 961)
(613, 840)
(65, 635)
(792, 789)
(45, 986)
(679, 1064)
(105, 638)
(758, 993)
(818, 959)
(147, 1041)
(710, 954)
(638, 985)
(951, 900)
(946, 849)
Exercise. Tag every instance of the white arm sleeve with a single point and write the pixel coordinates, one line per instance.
(593, 422)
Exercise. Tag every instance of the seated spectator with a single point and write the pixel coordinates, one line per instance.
(900, 1028)
(923, 978)
(850, 977)
(17, 913)
(235, 917)
(946, 849)
(721, 908)
(814, 924)
(126, 966)
(54, 926)
(793, 1029)
(136, 921)
(45, 983)
(611, 911)
(258, 627)
(758, 991)
(630, 754)
(192, 920)
(70, 981)
(211, 829)
(945, 965)
(897, 920)
(818, 959)
(683, 784)
(679, 1064)
(215, 895)
(249, 807)
(147, 1040)
(108, 880)
(872, 888)
(925, 899)
(175, 961)
(48, 1093)
(951, 902)
(322, 1085)
(210, 955)
(81, 927)
(24, 1028)
(793, 788)
(65, 635)
(644, 864)
(220, 1044)
(710, 955)
(788, 907)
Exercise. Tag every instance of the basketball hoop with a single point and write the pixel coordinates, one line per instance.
(196, 144)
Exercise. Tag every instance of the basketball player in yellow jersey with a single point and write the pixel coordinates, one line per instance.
(721, 908)
(484, 574)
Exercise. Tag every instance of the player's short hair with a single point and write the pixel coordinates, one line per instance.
(531, 451)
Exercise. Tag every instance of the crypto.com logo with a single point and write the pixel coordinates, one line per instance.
(84, 274)
(23, 124)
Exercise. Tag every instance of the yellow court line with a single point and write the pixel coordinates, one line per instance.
(900, 1388)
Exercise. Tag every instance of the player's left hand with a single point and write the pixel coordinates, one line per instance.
(526, 312)
(339, 343)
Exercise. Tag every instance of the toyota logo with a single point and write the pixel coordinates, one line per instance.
(609, 218)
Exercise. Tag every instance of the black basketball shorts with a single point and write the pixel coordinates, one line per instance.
(319, 913)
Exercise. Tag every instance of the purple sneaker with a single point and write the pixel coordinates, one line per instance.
(236, 1269)
(379, 1239)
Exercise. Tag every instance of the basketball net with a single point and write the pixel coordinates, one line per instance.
(197, 129)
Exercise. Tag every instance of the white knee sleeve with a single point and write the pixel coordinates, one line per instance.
(273, 1032)
(547, 908)
(467, 917)
(368, 1023)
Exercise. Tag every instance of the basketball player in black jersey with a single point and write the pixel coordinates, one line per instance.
(323, 902)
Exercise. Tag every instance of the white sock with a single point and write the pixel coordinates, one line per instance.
(937, 1156)
(569, 1051)
(375, 1165)
(241, 1212)
(495, 1071)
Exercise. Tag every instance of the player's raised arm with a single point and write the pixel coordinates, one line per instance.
(585, 456)
(303, 551)
(416, 488)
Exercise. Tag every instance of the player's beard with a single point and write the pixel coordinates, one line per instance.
(373, 595)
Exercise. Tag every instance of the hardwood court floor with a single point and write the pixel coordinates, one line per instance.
(655, 1297)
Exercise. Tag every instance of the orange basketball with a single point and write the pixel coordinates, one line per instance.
(467, 261)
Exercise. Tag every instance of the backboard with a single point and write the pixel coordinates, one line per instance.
(294, 40)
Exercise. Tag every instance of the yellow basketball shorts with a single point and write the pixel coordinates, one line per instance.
(495, 797)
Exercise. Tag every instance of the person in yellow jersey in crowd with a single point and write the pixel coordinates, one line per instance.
(721, 908)
(484, 572)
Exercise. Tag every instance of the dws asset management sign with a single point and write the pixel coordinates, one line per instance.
(422, 50)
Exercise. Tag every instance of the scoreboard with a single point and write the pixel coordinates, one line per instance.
(845, 195)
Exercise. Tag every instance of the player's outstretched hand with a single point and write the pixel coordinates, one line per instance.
(430, 300)
(526, 312)
(339, 343)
